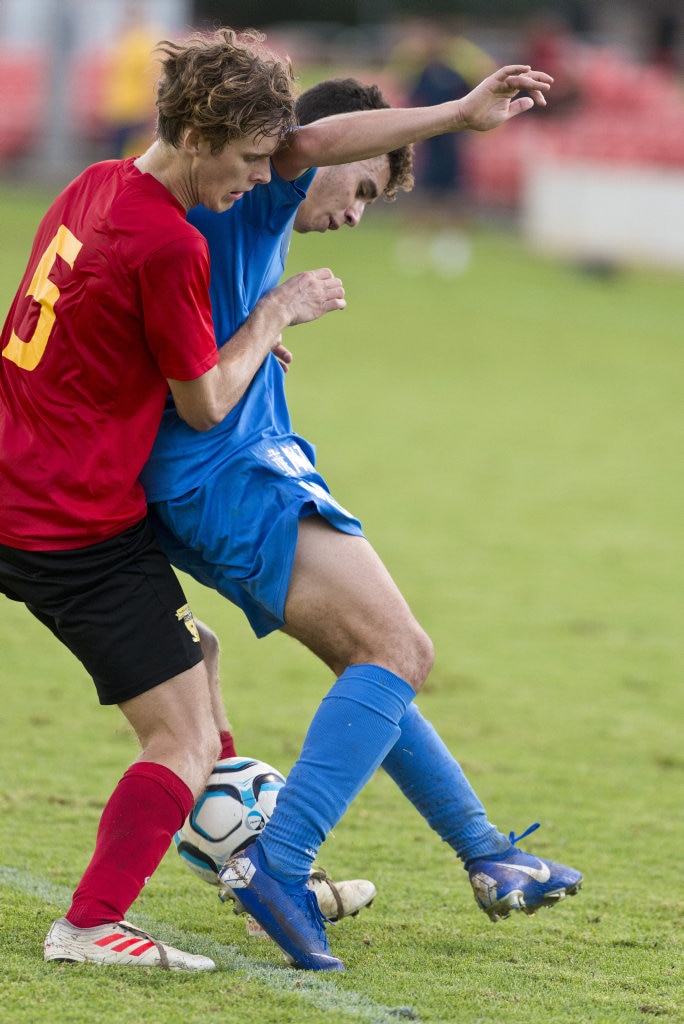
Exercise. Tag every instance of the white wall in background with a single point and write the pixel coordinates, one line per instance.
(596, 211)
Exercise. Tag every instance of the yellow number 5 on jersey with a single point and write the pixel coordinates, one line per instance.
(28, 354)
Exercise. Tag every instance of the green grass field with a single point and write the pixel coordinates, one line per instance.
(511, 438)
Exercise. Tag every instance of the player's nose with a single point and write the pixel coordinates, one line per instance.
(353, 214)
(261, 173)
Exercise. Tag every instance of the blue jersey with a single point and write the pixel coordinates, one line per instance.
(226, 504)
(248, 245)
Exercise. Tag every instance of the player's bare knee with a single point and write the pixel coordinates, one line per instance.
(421, 657)
(427, 655)
(214, 751)
(201, 754)
(409, 653)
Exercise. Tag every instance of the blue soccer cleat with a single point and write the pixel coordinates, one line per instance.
(290, 915)
(519, 881)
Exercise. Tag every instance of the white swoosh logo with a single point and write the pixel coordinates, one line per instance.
(540, 874)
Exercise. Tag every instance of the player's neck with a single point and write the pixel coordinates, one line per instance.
(165, 163)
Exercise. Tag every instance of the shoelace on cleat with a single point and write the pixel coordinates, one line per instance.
(513, 839)
(319, 917)
(321, 875)
(159, 946)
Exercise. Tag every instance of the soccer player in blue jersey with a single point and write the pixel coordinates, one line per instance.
(243, 510)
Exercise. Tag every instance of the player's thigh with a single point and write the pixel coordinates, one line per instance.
(344, 605)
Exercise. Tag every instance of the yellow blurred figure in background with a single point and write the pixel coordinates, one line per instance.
(128, 94)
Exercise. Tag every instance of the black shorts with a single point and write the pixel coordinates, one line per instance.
(117, 606)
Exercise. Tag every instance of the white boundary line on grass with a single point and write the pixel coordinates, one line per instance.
(313, 988)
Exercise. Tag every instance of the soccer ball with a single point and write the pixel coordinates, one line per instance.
(238, 801)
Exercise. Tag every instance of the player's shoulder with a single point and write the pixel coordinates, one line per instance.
(151, 217)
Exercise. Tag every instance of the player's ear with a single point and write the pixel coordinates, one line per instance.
(192, 141)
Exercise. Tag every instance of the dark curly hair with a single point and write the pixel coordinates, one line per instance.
(226, 86)
(344, 95)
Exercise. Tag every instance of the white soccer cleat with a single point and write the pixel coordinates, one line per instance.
(117, 944)
(336, 900)
(340, 899)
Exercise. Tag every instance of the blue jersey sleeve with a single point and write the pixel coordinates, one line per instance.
(248, 245)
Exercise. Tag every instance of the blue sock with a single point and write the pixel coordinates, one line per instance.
(354, 727)
(433, 781)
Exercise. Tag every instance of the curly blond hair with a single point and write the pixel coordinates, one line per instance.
(226, 86)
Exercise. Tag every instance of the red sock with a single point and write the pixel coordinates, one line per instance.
(140, 818)
(227, 744)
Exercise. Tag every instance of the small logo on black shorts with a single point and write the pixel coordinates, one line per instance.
(185, 615)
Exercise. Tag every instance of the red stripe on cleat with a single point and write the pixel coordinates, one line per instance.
(142, 949)
(114, 937)
(121, 947)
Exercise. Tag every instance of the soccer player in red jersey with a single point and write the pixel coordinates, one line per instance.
(113, 311)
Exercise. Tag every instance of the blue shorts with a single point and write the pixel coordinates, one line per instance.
(237, 532)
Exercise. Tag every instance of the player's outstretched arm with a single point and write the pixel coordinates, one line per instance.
(344, 138)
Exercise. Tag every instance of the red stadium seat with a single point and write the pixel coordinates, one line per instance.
(23, 92)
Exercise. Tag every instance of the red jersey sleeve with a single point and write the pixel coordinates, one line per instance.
(174, 287)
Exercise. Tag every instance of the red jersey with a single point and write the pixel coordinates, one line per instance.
(114, 301)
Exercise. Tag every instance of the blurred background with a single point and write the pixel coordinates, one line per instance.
(598, 175)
